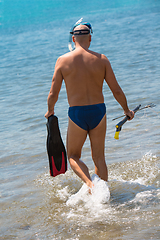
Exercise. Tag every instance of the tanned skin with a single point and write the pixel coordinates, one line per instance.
(84, 73)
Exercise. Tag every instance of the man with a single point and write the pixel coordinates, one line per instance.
(84, 72)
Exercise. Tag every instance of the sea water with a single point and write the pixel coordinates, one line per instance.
(33, 34)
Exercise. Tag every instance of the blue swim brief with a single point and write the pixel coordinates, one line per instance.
(87, 117)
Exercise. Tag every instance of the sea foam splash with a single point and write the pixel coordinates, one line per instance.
(100, 193)
(130, 197)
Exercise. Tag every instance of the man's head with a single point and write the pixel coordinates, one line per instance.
(80, 34)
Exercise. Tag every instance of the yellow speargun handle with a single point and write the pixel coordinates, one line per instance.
(119, 125)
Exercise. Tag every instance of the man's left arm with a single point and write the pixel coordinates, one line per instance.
(55, 89)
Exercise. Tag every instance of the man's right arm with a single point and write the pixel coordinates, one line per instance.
(116, 89)
(55, 89)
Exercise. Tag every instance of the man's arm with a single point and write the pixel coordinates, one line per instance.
(116, 89)
(55, 89)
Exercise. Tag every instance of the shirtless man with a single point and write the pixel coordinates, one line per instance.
(84, 72)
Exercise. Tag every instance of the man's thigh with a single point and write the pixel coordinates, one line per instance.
(76, 137)
(97, 139)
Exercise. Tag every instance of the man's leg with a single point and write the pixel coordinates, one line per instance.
(97, 139)
(76, 137)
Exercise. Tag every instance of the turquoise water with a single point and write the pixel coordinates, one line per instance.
(33, 34)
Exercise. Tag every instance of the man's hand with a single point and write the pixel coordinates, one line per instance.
(129, 114)
(48, 114)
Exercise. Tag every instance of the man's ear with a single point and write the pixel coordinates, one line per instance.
(73, 38)
(90, 38)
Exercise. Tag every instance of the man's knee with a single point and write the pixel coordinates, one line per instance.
(73, 157)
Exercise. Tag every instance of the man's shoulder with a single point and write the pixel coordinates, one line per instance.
(99, 55)
(66, 55)
(105, 60)
(103, 57)
(61, 59)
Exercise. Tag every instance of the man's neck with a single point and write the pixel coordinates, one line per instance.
(84, 46)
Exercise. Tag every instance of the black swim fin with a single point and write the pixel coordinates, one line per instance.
(55, 148)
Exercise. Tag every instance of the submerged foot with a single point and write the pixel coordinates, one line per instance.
(90, 187)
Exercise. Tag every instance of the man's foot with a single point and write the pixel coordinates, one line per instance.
(90, 186)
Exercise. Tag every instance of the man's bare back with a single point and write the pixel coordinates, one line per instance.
(84, 72)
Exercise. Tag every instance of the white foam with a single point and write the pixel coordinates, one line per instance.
(63, 193)
(147, 197)
(100, 193)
